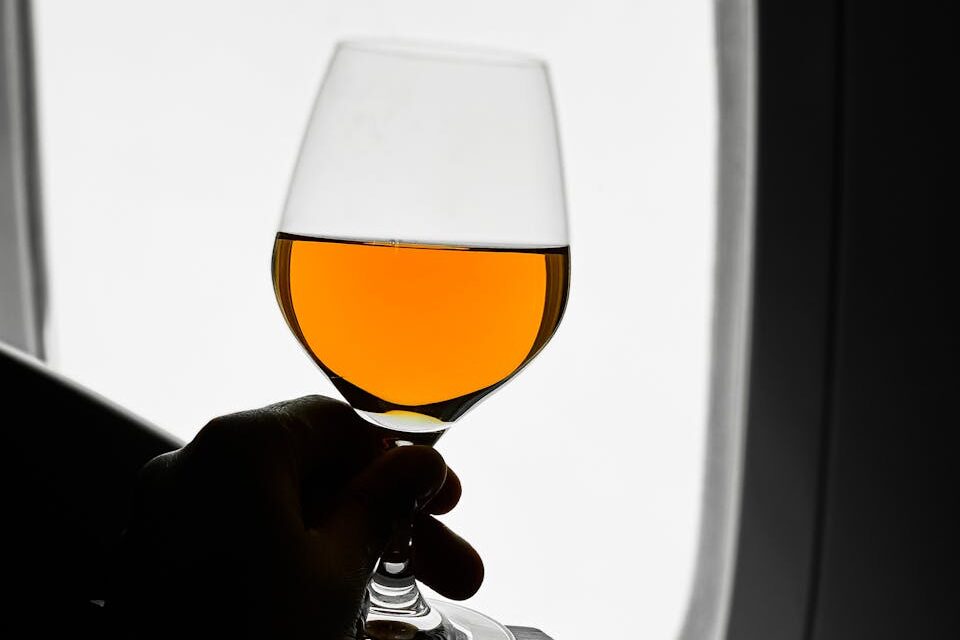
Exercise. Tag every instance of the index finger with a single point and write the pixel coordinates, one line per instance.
(447, 497)
(327, 434)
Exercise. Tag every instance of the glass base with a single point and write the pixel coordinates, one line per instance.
(457, 623)
(476, 625)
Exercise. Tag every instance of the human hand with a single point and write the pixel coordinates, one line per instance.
(270, 523)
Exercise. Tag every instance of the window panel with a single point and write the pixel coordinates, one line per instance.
(169, 131)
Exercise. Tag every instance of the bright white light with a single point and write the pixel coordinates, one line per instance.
(169, 131)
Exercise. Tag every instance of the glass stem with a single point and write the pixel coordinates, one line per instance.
(393, 588)
(395, 599)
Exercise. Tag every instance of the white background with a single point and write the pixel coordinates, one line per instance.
(169, 131)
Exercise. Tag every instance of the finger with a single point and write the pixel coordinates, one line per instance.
(448, 496)
(153, 491)
(386, 494)
(313, 431)
(331, 445)
(277, 453)
(328, 436)
(444, 560)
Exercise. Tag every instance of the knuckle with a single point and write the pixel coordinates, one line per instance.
(242, 439)
(215, 433)
(156, 468)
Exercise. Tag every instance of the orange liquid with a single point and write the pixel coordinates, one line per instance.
(424, 329)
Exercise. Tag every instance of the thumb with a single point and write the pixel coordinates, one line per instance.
(385, 495)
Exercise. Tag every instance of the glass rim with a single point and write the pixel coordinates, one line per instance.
(441, 52)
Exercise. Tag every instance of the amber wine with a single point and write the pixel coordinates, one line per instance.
(415, 334)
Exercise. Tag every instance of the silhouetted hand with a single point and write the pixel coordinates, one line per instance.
(270, 522)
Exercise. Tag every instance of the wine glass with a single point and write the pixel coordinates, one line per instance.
(422, 259)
